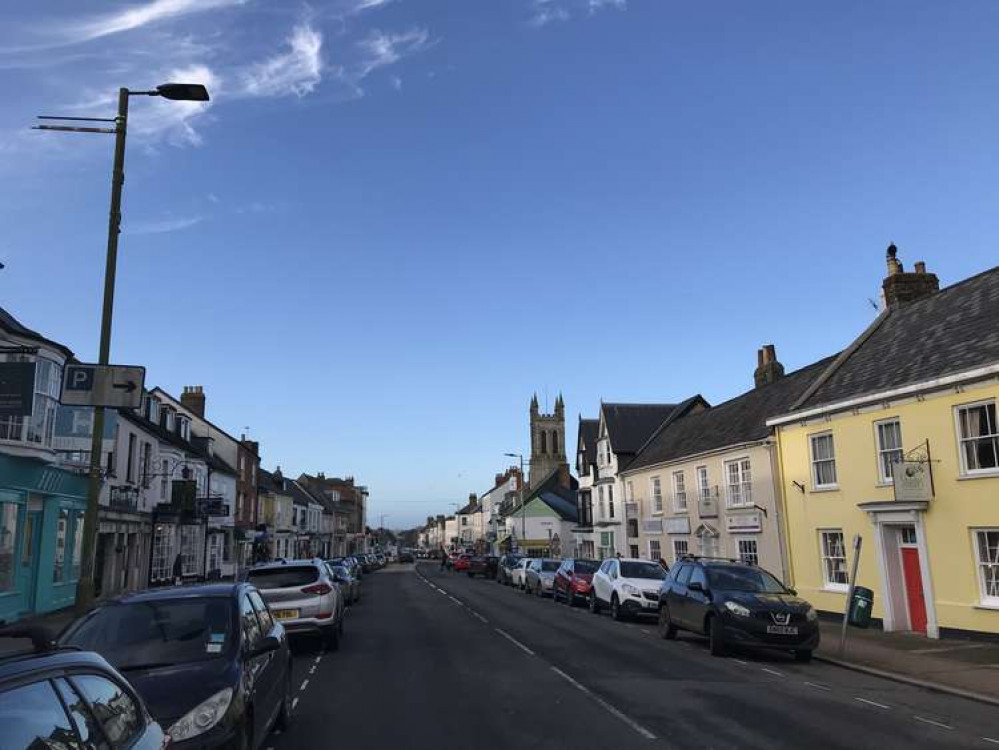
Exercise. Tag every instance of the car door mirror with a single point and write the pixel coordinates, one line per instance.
(264, 646)
(695, 586)
(793, 592)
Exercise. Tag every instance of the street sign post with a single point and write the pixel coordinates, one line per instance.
(17, 388)
(114, 386)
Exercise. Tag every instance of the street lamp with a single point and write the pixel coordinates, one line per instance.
(520, 488)
(188, 92)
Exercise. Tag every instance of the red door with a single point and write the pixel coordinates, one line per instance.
(914, 589)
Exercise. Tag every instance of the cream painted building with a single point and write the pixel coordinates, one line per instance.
(706, 484)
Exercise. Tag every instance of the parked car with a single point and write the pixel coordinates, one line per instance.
(504, 569)
(52, 698)
(462, 563)
(406, 556)
(736, 603)
(540, 576)
(303, 596)
(350, 585)
(517, 575)
(382, 560)
(574, 578)
(350, 563)
(483, 565)
(629, 586)
(210, 661)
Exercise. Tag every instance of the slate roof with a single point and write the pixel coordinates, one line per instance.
(196, 448)
(16, 328)
(739, 420)
(629, 425)
(954, 330)
(586, 435)
(565, 509)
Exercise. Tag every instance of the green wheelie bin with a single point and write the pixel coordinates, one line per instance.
(861, 606)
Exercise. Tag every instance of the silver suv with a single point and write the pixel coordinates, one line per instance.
(303, 596)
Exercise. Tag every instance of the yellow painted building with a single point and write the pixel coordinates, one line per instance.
(911, 402)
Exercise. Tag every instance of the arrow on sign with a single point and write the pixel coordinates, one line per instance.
(129, 386)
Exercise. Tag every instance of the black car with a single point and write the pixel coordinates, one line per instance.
(406, 556)
(483, 565)
(735, 603)
(210, 661)
(504, 569)
(67, 698)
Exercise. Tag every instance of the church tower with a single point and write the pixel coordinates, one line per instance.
(547, 441)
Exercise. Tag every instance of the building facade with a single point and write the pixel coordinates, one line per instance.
(897, 444)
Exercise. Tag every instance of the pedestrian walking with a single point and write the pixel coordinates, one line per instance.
(178, 571)
(443, 559)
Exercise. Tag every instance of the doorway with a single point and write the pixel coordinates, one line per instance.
(912, 578)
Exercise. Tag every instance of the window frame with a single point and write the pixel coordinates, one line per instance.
(656, 554)
(739, 541)
(962, 456)
(744, 469)
(827, 584)
(985, 599)
(880, 451)
(656, 494)
(813, 462)
(679, 489)
(686, 543)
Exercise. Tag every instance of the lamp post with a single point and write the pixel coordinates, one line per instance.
(190, 92)
(520, 494)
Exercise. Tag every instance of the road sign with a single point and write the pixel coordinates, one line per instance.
(212, 507)
(17, 388)
(116, 386)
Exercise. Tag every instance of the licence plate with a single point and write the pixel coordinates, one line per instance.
(286, 614)
(782, 629)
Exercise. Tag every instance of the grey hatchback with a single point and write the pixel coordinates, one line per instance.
(303, 596)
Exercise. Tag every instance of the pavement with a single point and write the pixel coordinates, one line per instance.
(432, 660)
(964, 667)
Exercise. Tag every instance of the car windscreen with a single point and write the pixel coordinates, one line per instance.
(753, 580)
(283, 577)
(642, 570)
(339, 571)
(585, 566)
(550, 566)
(159, 633)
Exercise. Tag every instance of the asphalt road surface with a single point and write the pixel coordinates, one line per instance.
(438, 660)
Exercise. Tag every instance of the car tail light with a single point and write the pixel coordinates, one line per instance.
(317, 588)
(324, 615)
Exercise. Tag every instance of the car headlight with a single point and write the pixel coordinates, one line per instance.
(202, 717)
(630, 590)
(811, 615)
(737, 609)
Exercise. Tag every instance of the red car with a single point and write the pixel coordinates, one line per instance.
(574, 578)
(462, 563)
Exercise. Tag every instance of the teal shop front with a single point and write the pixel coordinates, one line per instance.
(41, 536)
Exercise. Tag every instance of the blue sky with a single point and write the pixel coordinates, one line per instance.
(396, 220)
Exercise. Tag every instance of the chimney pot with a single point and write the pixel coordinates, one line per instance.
(920, 266)
(900, 287)
(769, 369)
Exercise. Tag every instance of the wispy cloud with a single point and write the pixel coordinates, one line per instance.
(380, 49)
(544, 12)
(161, 226)
(298, 70)
(139, 16)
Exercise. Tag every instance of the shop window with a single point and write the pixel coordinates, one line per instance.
(8, 544)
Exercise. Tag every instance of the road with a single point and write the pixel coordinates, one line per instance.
(438, 660)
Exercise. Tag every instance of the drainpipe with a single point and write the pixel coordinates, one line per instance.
(783, 541)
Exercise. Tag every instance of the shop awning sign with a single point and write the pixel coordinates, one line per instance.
(17, 388)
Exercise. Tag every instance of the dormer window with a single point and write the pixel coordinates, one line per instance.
(154, 410)
(168, 420)
(184, 428)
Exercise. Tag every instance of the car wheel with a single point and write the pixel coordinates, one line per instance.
(616, 612)
(570, 598)
(594, 603)
(283, 721)
(667, 630)
(539, 591)
(716, 636)
(803, 655)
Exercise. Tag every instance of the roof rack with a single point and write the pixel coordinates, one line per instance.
(41, 638)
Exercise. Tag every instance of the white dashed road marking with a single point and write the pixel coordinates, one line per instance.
(817, 686)
(456, 601)
(934, 723)
(989, 739)
(294, 704)
(772, 671)
(305, 684)
(872, 703)
(514, 641)
(312, 669)
(605, 705)
(476, 614)
(740, 661)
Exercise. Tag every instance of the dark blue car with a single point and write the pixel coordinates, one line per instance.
(211, 662)
(71, 699)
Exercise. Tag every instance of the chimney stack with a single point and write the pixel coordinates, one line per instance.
(768, 369)
(900, 287)
(193, 399)
(473, 500)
